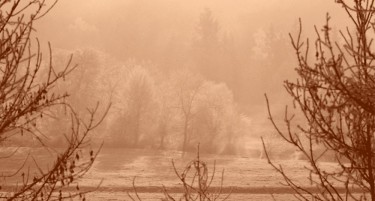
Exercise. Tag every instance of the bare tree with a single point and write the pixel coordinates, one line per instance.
(335, 94)
(26, 97)
(196, 183)
(188, 86)
(165, 114)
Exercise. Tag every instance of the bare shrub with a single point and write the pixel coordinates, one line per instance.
(335, 95)
(27, 97)
(196, 183)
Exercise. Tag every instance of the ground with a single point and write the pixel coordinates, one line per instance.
(250, 178)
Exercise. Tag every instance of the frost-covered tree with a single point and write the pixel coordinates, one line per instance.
(211, 123)
(187, 86)
(139, 106)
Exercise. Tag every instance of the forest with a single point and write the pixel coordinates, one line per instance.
(171, 89)
(172, 82)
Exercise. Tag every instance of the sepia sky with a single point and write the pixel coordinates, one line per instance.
(100, 24)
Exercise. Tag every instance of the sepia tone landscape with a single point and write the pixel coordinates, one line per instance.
(187, 100)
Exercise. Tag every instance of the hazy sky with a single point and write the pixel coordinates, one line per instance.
(96, 23)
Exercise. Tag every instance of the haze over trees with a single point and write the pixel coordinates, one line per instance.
(234, 60)
(197, 37)
(172, 105)
(177, 113)
(173, 92)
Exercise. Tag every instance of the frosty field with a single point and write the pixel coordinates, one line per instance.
(249, 178)
(114, 169)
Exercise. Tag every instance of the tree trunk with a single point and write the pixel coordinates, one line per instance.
(162, 132)
(136, 129)
(185, 136)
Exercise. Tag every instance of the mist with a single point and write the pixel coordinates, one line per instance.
(181, 73)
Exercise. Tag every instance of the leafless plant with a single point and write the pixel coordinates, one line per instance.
(196, 182)
(26, 96)
(335, 95)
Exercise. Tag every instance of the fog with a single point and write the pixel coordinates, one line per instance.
(180, 73)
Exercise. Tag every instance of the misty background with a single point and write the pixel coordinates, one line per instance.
(180, 72)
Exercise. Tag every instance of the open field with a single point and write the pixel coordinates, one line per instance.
(247, 178)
